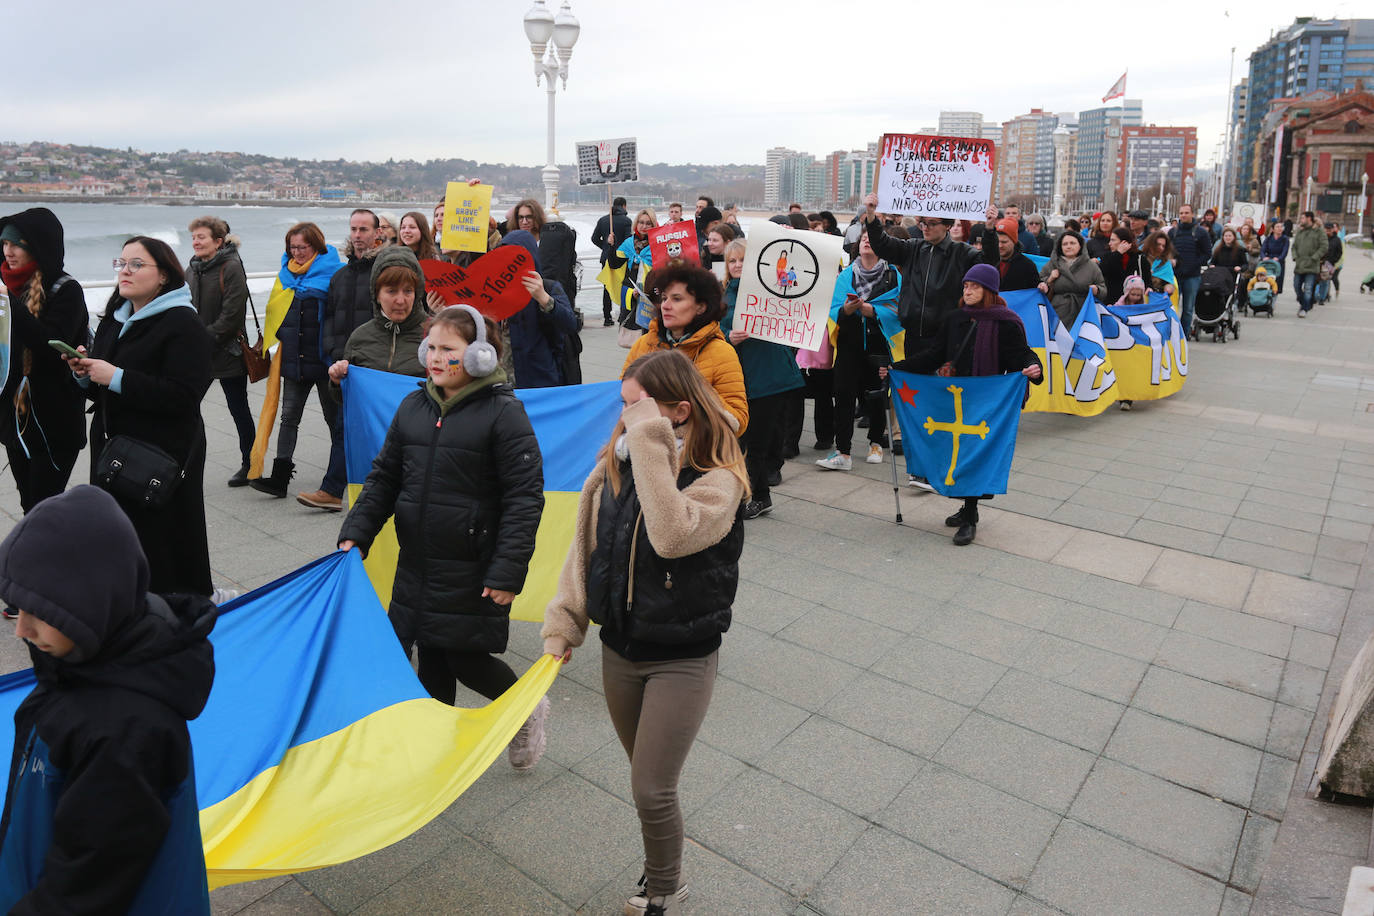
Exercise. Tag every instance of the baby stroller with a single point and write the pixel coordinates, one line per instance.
(1261, 298)
(1214, 309)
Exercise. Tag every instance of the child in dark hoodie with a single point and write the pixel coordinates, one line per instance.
(101, 815)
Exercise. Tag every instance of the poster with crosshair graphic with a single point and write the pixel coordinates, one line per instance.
(788, 281)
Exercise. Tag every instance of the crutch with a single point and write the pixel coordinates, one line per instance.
(892, 438)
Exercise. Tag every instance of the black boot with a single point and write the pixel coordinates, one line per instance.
(240, 478)
(282, 472)
(968, 523)
(957, 520)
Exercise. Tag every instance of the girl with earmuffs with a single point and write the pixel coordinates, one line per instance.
(461, 471)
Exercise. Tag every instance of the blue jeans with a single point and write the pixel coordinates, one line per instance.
(1187, 298)
(1305, 285)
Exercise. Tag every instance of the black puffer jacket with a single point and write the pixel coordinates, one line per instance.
(466, 483)
(219, 291)
(53, 398)
(348, 305)
(932, 277)
(661, 608)
(302, 339)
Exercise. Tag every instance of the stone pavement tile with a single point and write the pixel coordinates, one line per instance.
(1203, 704)
(1273, 786)
(823, 757)
(1013, 603)
(1030, 504)
(1334, 548)
(1035, 575)
(1151, 459)
(1129, 600)
(1212, 503)
(746, 820)
(1363, 514)
(1201, 578)
(1312, 648)
(771, 666)
(1220, 663)
(1032, 767)
(1185, 755)
(840, 636)
(1236, 628)
(888, 873)
(1073, 664)
(1263, 556)
(1351, 531)
(232, 899)
(911, 719)
(1309, 882)
(766, 609)
(1236, 903)
(1177, 823)
(1124, 878)
(602, 828)
(1109, 482)
(1291, 600)
(1194, 517)
(346, 887)
(1333, 572)
(1129, 470)
(291, 899)
(745, 723)
(1105, 630)
(1027, 906)
(1288, 731)
(938, 669)
(1287, 424)
(985, 829)
(1357, 496)
(706, 772)
(496, 790)
(1304, 542)
(715, 885)
(1051, 709)
(1102, 520)
(468, 878)
(980, 634)
(1187, 539)
(1234, 484)
(1111, 500)
(1255, 846)
(1302, 685)
(1298, 494)
(1055, 488)
(1109, 557)
(1022, 535)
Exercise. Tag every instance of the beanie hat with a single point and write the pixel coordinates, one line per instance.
(1261, 272)
(1010, 228)
(1134, 281)
(12, 235)
(985, 275)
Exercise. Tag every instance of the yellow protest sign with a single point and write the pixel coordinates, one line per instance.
(467, 212)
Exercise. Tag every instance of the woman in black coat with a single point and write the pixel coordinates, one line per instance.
(219, 291)
(41, 422)
(1121, 261)
(147, 372)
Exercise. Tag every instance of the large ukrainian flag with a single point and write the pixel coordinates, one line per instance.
(318, 745)
(571, 424)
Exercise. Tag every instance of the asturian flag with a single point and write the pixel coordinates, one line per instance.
(959, 432)
(1118, 89)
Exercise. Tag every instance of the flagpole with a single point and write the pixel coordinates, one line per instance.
(1226, 154)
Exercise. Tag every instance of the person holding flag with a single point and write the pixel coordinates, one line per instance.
(981, 337)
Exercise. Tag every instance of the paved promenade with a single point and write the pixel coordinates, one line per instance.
(1110, 703)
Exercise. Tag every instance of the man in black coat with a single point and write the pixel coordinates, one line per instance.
(1193, 249)
(348, 306)
(1016, 270)
(610, 231)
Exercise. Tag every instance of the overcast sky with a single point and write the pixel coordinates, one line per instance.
(709, 81)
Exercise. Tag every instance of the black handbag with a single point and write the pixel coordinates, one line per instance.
(138, 473)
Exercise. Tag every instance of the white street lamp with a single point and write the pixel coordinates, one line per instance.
(1364, 189)
(551, 64)
(1307, 201)
(1163, 178)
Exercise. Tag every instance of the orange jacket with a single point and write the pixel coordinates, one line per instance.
(714, 358)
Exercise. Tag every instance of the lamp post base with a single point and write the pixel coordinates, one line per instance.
(551, 189)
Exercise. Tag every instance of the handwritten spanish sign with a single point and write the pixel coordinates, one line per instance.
(948, 177)
(789, 277)
(467, 211)
(607, 161)
(675, 241)
(491, 284)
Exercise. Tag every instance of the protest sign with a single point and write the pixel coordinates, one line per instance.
(467, 215)
(1242, 210)
(948, 177)
(607, 161)
(674, 241)
(789, 276)
(491, 284)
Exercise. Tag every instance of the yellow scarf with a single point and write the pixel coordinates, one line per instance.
(299, 267)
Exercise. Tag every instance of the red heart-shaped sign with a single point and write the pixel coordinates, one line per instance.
(491, 284)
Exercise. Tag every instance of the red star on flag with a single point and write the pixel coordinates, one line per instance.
(908, 394)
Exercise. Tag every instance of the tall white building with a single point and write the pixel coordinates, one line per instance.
(961, 124)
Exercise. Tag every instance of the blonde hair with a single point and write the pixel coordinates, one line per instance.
(647, 211)
(710, 442)
(735, 246)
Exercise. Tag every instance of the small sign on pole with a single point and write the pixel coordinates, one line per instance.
(788, 281)
(467, 215)
(607, 161)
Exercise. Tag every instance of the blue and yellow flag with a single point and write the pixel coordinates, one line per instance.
(571, 424)
(318, 745)
(959, 432)
(1080, 378)
(1147, 348)
(884, 310)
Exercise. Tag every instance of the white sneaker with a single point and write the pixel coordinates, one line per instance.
(875, 453)
(639, 901)
(919, 483)
(223, 595)
(528, 744)
(835, 462)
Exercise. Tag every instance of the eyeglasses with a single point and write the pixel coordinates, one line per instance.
(295, 248)
(134, 266)
(524, 218)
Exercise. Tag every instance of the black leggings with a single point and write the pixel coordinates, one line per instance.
(440, 669)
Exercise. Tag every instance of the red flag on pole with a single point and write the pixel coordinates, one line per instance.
(1118, 89)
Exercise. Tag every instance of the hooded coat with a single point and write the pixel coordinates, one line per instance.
(391, 346)
(465, 481)
(101, 815)
(538, 334)
(1069, 290)
(219, 290)
(348, 304)
(52, 420)
(162, 358)
(1309, 247)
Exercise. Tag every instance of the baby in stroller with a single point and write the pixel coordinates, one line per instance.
(1260, 292)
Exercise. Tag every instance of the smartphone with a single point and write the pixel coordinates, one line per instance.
(66, 349)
